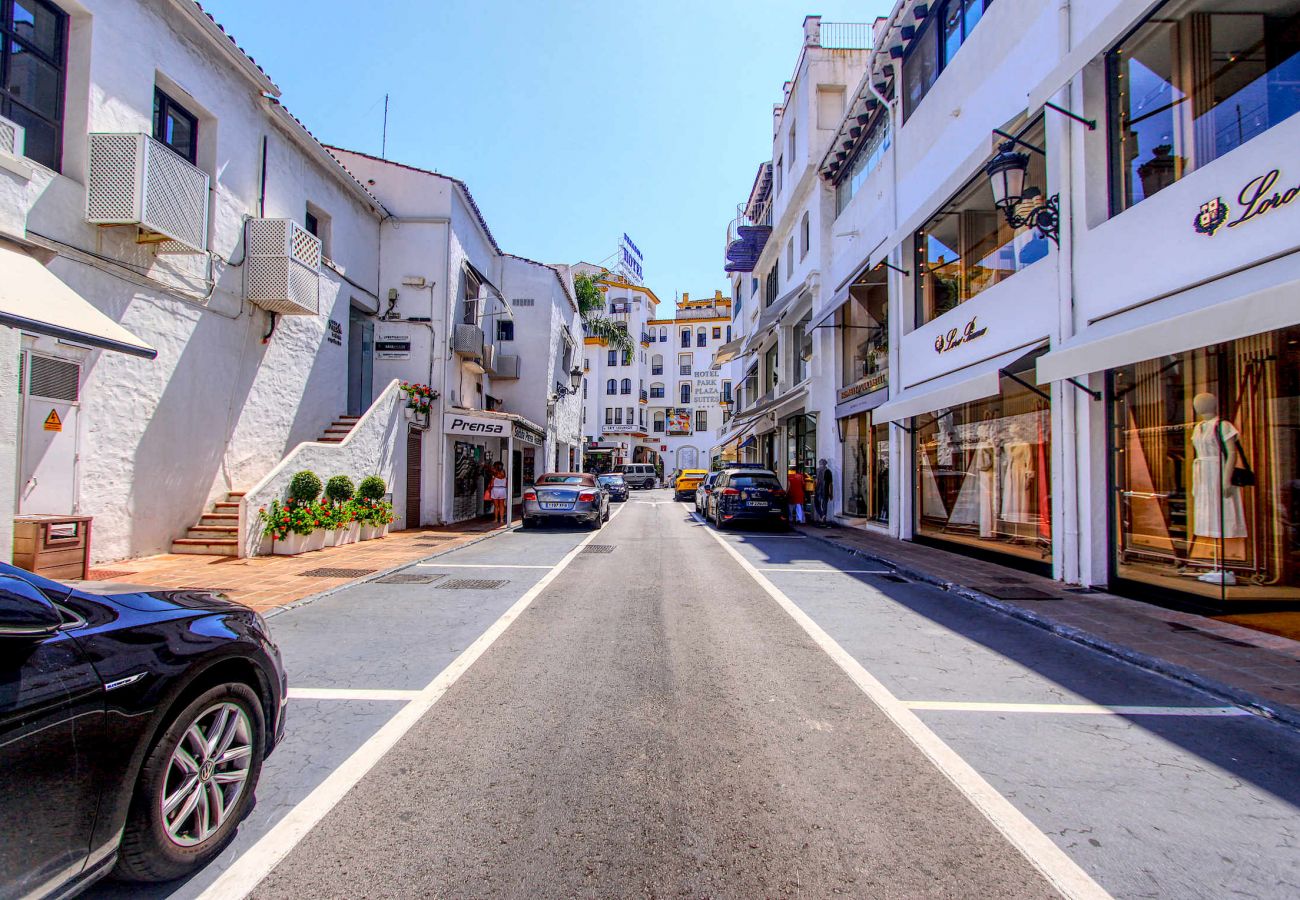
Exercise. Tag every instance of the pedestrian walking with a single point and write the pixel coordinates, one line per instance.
(499, 490)
(823, 493)
(796, 492)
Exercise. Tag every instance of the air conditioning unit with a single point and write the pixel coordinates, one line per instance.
(488, 360)
(467, 340)
(134, 180)
(506, 366)
(282, 269)
(11, 137)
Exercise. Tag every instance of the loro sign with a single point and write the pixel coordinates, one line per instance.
(481, 426)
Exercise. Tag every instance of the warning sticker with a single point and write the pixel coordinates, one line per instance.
(53, 422)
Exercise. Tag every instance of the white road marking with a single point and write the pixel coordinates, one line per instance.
(831, 571)
(479, 565)
(1056, 866)
(1074, 709)
(246, 872)
(350, 694)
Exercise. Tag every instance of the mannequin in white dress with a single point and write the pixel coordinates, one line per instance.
(1217, 507)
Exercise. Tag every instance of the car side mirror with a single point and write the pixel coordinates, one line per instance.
(26, 613)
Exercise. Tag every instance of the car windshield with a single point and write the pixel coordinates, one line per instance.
(757, 480)
(564, 479)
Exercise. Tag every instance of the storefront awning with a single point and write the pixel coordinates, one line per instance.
(1263, 299)
(492, 424)
(828, 312)
(727, 352)
(953, 389)
(33, 299)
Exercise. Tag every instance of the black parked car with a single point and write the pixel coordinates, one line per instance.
(616, 484)
(753, 495)
(132, 730)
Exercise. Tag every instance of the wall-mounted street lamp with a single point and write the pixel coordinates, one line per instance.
(574, 385)
(1006, 172)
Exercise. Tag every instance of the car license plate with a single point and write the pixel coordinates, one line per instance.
(556, 505)
(758, 503)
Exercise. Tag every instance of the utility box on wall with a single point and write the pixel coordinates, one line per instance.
(132, 179)
(282, 273)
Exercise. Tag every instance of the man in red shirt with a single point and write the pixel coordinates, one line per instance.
(795, 491)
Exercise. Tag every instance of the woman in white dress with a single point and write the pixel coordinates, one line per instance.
(499, 491)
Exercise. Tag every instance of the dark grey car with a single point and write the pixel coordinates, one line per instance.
(566, 495)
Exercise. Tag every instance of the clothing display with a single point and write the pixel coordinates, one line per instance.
(1017, 483)
(1214, 514)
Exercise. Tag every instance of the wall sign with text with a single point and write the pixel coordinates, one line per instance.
(1259, 196)
(955, 337)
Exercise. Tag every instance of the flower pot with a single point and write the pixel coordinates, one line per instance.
(370, 532)
(316, 540)
(291, 544)
(336, 537)
(383, 530)
(352, 532)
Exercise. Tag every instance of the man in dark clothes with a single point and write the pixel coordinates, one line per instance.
(823, 493)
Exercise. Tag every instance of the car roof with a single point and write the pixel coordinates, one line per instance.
(586, 475)
(747, 472)
(695, 471)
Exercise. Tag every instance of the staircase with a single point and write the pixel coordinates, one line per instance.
(217, 532)
(339, 429)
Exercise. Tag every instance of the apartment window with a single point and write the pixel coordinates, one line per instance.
(773, 277)
(175, 126)
(968, 247)
(789, 259)
(663, 334)
(728, 334)
(726, 392)
(830, 106)
(627, 357)
(33, 58)
(804, 236)
(611, 386)
(609, 417)
(505, 330)
(801, 347)
(941, 36)
(584, 392)
(657, 364)
(701, 337)
(684, 361)
(317, 222)
(618, 415)
(684, 393)
(701, 420)
(791, 148)
(631, 415)
(771, 365)
(717, 333)
(1194, 81)
(686, 337)
(626, 386)
(470, 286)
(611, 358)
(865, 161)
(657, 390)
(776, 171)
(659, 421)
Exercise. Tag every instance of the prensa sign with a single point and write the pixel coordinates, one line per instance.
(479, 426)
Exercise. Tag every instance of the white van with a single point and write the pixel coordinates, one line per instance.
(638, 475)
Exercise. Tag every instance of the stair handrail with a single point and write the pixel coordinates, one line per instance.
(384, 412)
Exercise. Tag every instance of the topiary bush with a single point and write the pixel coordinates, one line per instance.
(304, 487)
(372, 487)
(339, 489)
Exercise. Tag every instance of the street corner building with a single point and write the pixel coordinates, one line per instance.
(1059, 333)
(192, 307)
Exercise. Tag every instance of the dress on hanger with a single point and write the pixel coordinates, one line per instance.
(1208, 502)
(1017, 480)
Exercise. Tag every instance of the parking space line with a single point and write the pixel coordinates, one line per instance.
(1055, 865)
(479, 565)
(248, 870)
(350, 694)
(1073, 709)
(831, 571)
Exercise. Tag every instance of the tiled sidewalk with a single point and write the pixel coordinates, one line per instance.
(1247, 667)
(266, 582)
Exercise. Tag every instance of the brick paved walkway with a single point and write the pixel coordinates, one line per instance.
(1246, 666)
(265, 582)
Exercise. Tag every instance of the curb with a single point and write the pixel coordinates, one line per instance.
(1247, 700)
(312, 598)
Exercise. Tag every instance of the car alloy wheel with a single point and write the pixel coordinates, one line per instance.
(206, 775)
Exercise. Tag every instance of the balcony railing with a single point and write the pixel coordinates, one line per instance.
(747, 235)
(645, 397)
(845, 36)
(645, 337)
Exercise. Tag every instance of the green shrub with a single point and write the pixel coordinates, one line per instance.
(339, 489)
(372, 487)
(304, 487)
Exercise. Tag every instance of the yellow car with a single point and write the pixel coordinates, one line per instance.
(687, 482)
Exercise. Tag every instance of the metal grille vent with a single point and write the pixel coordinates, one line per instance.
(598, 548)
(472, 584)
(283, 269)
(523, 301)
(336, 573)
(53, 379)
(134, 180)
(11, 137)
(408, 579)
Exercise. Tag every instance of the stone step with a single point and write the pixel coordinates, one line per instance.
(207, 546)
(226, 505)
(230, 495)
(330, 439)
(211, 533)
(221, 518)
(349, 418)
(339, 429)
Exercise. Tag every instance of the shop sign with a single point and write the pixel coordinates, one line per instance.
(392, 342)
(528, 435)
(956, 337)
(459, 423)
(865, 386)
(617, 429)
(1257, 197)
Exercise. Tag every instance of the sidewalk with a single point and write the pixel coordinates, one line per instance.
(267, 582)
(1250, 668)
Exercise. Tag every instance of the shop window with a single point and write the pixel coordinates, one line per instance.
(801, 442)
(863, 327)
(948, 26)
(175, 126)
(967, 247)
(865, 161)
(701, 420)
(982, 474)
(1185, 429)
(865, 488)
(33, 60)
(1194, 81)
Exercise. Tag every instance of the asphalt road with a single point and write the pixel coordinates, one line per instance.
(737, 715)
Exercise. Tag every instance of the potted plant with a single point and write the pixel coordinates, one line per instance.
(419, 400)
(371, 510)
(304, 488)
(343, 529)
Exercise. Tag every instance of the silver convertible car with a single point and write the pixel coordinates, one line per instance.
(566, 495)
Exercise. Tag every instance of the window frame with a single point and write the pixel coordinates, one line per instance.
(60, 65)
(505, 330)
(933, 32)
(163, 104)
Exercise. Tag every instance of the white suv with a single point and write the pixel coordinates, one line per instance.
(638, 475)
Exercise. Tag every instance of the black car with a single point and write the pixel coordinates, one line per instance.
(132, 730)
(704, 491)
(616, 484)
(753, 495)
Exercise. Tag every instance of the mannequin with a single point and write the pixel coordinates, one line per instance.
(1217, 508)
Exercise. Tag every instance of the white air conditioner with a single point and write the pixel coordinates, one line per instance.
(506, 366)
(282, 269)
(467, 340)
(133, 179)
(11, 137)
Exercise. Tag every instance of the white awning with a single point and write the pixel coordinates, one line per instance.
(1264, 298)
(33, 299)
(831, 308)
(728, 351)
(966, 385)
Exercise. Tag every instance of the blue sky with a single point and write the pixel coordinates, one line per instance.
(571, 121)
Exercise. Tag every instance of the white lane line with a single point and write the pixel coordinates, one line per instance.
(480, 565)
(830, 571)
(350, 694)
(1056, 866)
(1074, 709)
(246, 872)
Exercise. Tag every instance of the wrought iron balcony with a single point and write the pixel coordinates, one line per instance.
(746, 237)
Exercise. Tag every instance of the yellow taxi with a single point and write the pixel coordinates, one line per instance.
(687, 481)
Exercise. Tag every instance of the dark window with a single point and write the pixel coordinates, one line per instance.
(757, 480)
(656, 390)
(505, 330)
(686, 337)
(611, 386)
(311, 223)
(627, 358)
(701, 338)
(717, 333)
(686, 393)
(728, 334)
(176, 127)
(769, 292)
(626, 387)
(942, 34)
(701, 420)
(33, 57)
(611, 358)
(1196, 80)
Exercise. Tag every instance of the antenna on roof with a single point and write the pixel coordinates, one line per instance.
(383, 146)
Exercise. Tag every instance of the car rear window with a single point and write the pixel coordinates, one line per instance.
(754, 481)
(565, 479)
(610, 479)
